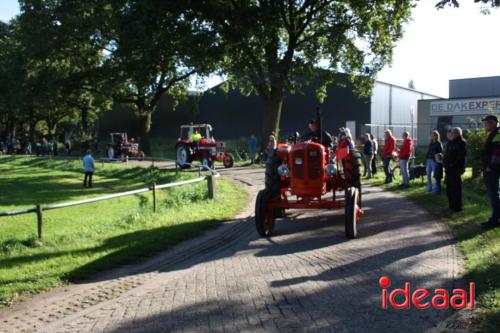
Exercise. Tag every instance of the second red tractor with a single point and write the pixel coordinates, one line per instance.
(206, 150)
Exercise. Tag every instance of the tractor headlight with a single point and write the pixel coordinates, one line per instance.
(283, 171)
(330, 170)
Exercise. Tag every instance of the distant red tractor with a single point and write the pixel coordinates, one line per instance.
(301, 175)
(206, 149)
(121, 148)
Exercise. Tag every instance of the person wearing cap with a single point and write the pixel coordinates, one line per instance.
(313, 135)
(454, 166)
(491, 168)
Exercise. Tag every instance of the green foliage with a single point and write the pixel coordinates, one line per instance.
(475, 146)
(455, 3)
(272, 47)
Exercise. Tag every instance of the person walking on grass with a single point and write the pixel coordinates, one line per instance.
(388, 154)
(454, 166)
(491, 169)
(435, 147)
(375, 153)
(88, 169)
(404, 156)
(368, 154)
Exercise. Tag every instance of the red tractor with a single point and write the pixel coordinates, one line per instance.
(300, 176)
(121, 148)
(204, 148)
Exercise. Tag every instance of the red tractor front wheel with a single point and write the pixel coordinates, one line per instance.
(351, 212)
(228, 160)
(264, 217)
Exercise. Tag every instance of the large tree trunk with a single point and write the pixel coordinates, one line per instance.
(272, 116)
(145, 129)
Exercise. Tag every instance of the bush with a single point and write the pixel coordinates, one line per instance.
(475, 144)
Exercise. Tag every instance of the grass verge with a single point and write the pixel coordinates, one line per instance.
(82, 240)
(481, 248)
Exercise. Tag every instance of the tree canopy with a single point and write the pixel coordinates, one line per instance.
(276, 46)
(71, 59)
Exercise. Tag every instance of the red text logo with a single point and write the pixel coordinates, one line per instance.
(405, 298)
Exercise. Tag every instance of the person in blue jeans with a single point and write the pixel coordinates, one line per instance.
(491, 169)
(435, 147)
(88, 169)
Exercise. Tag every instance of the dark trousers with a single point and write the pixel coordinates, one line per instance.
(374, 164)
(87, 180)
(387, 170)
(491, 181)
(454, 190)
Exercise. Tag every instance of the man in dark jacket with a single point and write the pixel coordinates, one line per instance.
(491, 168)
(454, 165)
(368, 155)
(313, 135)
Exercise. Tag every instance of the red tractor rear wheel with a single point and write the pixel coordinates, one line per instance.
(351, 212)
(264, 217)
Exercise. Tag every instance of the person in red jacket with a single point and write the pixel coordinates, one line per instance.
(404, 156)
(387, 154)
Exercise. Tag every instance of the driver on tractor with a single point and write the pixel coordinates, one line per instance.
(196, 137)
(314, 134)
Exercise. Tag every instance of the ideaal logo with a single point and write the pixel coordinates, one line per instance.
(424, 298)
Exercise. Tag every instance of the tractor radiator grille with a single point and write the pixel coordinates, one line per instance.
(298, 164)
(315, 164)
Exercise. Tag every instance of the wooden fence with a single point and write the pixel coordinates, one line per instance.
(39, 209)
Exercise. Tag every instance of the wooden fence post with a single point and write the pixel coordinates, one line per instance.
(154, 197)
(39, 218)
(211, 186)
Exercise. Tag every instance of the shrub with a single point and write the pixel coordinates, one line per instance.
(475, 144)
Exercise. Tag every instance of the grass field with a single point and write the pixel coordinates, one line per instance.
(481, 248)
(82, 240)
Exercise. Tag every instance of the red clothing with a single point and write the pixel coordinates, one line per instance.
(389, 147)
(406, 149)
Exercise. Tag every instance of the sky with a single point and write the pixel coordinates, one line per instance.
(438, 45)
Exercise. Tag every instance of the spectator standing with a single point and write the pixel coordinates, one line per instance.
(272, 144)
(438, 172)
(404, 156)
(435, 147)
(88, 169)
(454, 166)
(388, 153)
(252, 147)
(491, 169)
(375, 153)
(368, 154)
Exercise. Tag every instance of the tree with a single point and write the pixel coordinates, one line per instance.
(154, 48)
(442, 3)
(64, 53)
(275, 46)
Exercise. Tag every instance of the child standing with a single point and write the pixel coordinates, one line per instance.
(88, 169)
(438, 172)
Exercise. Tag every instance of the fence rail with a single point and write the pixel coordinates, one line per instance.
(39, 209)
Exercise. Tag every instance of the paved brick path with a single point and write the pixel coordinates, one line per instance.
(308, 278)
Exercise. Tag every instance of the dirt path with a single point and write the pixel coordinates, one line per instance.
(308, 278)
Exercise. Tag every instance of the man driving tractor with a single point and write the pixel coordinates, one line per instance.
(196, 137)
(314, 134)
